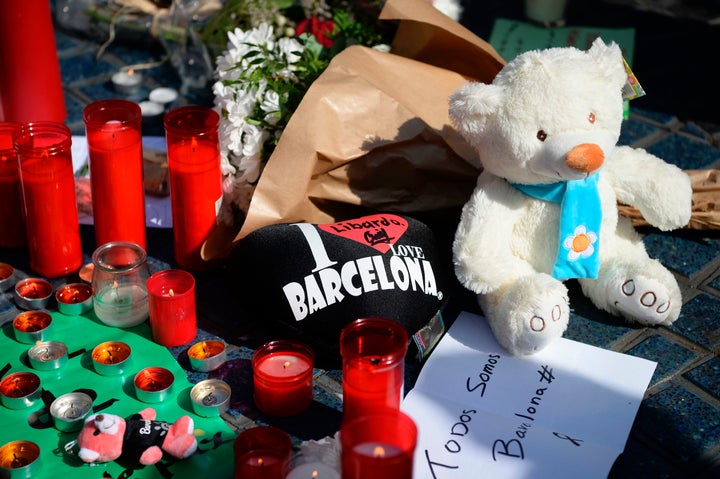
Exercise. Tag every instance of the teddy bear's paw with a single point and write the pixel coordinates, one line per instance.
(533, 313)
(644, 300)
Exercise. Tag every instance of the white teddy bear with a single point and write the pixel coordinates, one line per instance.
(544, 209)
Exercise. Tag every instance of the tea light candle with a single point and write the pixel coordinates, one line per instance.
(111, 358)
(127, 82)
(380, 445)
(151, 109)
(262, 452)
(314, 470)
(373, 365)
(20, 390)
(32, 293)
(74, 299)
(210, 397)
(163, 95)
(153, 384)
(32, 326)
(171, 307)
(7, 275)
(207, 355)
(283, 377)
(48, 355)
(70, 410)
(19, 459)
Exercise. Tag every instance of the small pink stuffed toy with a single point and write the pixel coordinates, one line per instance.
(138, 439)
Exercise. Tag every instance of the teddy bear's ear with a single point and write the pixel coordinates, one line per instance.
(472, 104)
(609, 57)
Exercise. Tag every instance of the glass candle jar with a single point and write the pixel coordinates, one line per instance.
(193, 152)
(48, 188)
(120, 296)
(373, 365)
(114, 137)
(11, 212)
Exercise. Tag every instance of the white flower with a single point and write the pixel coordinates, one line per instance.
(250, 109)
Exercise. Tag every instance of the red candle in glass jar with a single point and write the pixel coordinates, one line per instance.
(48, 188)
(31, 83)
(11, 212)
(283, 377)
(193, 151)
(113, 130)
(373, 365)
(380, 445)
(171, 304)
(262, 452)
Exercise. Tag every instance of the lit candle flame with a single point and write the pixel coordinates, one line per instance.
(171, 292)
(378, 451)
(193, 144)
(314, 474)
(286, 364)
(260, 461)
(131, 72)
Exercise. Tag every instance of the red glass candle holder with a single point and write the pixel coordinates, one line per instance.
(193, 151)
(12, 220)
(380, 445)
(373, 365)
(171, 304)
(283, 377)
(262, 452)
(31, 83)
(114, 137)
(48, 188)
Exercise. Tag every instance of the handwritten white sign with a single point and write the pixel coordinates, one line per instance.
(564, 412)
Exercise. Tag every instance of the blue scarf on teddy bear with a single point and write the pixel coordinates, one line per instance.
(580, 217)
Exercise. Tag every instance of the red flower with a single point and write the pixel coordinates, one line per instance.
(320, 29)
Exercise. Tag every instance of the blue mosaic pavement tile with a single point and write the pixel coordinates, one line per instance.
(681, 422)
(84, 67)
(669, 356)
(699, 321)
(637, 459)
(654, 116)
(684, 255)
(633, 130)
(686, 153)
(707, 376)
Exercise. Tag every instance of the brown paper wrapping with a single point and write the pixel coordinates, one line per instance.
(373, 132)
(705, 202)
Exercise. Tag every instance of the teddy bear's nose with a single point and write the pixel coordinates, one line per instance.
(587, 157)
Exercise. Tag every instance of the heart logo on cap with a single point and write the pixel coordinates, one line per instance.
(377, 231)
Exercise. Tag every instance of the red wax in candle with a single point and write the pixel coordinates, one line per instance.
(282, 377)
(113, 130)
(11, 212)
(262, 452)
(195, 180)
(373, 356)
(380, 445)
(30, 84)
(171, 304)
(50, 206)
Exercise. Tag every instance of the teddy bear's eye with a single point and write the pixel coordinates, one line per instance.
(591, 118)
(541, 135)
